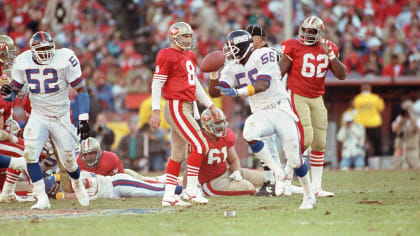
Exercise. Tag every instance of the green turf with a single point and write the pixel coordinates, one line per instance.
(341, 215)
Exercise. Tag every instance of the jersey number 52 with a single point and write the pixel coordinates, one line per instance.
(49, 78)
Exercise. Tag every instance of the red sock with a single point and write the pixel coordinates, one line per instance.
(12, 175)
(317, 158)
(172, 172)
(194, 163)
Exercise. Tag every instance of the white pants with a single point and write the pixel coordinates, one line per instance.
(275, 121)
(62, 133)
(126, 186)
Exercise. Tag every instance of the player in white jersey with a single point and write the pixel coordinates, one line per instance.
(119, 186)
(256, 74)
(49, 74)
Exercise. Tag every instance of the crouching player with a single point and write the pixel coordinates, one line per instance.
(214, 176)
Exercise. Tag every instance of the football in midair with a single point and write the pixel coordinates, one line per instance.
(213, 61)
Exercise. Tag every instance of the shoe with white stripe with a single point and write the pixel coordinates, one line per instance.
(194, 196)
(174, 200)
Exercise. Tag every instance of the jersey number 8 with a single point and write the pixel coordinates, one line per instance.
(191, 73)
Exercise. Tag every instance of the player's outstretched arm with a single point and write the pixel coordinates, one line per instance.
(234, 165)
(83, 102)
(285, 64)
(337, 67)
(9, 91)
(213, 83)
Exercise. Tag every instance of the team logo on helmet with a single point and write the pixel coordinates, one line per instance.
(3, 45)
(174, 31)
(219, 128)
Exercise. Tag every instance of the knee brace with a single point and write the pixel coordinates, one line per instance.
(256, 147)
(301, 171)
(30, 154)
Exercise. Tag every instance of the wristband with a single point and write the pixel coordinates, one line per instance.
(214, 75)
(246, 91)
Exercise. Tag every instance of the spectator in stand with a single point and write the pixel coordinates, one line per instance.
(58, 13)
(369, 107)
(153, 147)
(103, 134)
(371, 62)
(405, 17)
(119, 92)
(130, 146)
(353, 137)
(393, 69)
(406, 143)
(393, 48)
(139, 78)
(103, 91)
(413, 67)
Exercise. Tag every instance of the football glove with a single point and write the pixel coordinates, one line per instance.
(6, 90)
(227, 91)
(236, 176)
(83, 129)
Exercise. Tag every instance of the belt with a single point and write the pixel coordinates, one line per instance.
(273, 105)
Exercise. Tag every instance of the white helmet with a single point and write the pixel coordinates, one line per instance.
(310, 24)
(90, 146)
(177, 30)
(219, 129)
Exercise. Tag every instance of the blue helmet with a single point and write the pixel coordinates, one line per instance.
(238, 45)
(42, 47)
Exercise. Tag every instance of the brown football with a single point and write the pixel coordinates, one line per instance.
(212, 61)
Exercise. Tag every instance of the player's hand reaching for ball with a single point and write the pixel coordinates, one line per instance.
(83, 129)
(155, 119)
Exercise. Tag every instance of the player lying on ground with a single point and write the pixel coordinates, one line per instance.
(117, 186)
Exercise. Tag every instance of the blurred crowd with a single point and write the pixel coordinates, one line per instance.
(117, 41)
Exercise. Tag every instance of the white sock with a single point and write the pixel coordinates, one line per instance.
(169, 191)
(316, 173)
(192, 181)
(265, 155)
(269, 176)
(306, 184)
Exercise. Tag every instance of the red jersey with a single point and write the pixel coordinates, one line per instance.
(214, 163)
(109, 164)
(178, 69)
(310, 65)
(5, 111)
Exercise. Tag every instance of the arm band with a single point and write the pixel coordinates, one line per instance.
(201, 95)
(83, 102)
(246, 91)
(156, 94)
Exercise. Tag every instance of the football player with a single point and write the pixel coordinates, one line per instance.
(117, 186)
(215, 177)
(94, 160)
(49, 73)
(256, 74)
(306, 61)
(175, 78)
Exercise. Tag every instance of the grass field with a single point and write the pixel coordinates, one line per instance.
(366, 203)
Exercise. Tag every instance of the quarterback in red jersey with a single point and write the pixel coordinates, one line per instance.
(94, 160)
(175, 78)
(215, 178)
(306, 61)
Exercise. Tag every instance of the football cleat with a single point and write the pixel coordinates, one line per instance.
(80, 191)
(7, 198)
(267, 190)
(308, 202)
(42, 203)
(194, 196)
(322, 193)
(174, 200)
(280, 183)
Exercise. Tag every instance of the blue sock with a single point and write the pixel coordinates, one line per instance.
(178, 189)
(302, 170)
(35, 172)
(256, 147)
(4, 161)
(75, 174)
